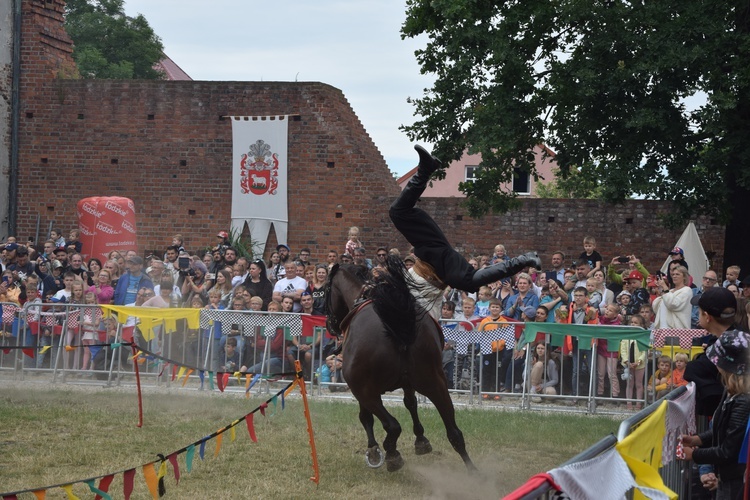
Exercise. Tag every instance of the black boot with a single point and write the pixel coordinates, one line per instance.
(506, 269)
(417, 184)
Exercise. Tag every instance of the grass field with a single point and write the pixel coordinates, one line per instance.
(59, 434)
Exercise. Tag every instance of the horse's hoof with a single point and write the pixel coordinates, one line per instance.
(374, 457)
(395, 463)
(422, 447)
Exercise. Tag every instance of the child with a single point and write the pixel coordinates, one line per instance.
(74, 244)
(447, 311)
(489, 373)
(634, 361)
(256, 303)
(678, 374)
(65, 294)
(56, 236)
(647, 313)
(732, 275)
(606, 361)
(90, 319)
(595, 296)
(660, 382)
(482, 308)
(590, 255)
(721, 445)
(353, 242)
(623, 300)
(231, 356)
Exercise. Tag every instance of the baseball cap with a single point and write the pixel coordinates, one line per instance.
(11, 246)
(222, 234)
(60, 249)
(634, 275)
(281, 245)
(716, 301)
(730, 351)
(677, 251)
(135, 260)
(530, 312)
(410, 258)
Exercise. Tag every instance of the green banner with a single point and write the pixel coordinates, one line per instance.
(558, 331)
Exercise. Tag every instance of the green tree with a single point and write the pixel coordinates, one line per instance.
(109, 44)
(576, 184)
(652, 96)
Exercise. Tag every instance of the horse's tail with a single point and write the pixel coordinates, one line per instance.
(394, 303)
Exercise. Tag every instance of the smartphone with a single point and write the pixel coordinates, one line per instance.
(623, 260)
(5, 279)
(550, 275)
(90, 274)
(183, 262)
(211, 276)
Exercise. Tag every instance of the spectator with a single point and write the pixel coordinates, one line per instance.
(504, 293)
(606, 360)
(74, 244)
(523, 299)
(583, 268)
(381, 254)
(353, 242)
(554, 298)
(240, 271)
(103, 289)
(500, 255)
(502, 354)
(409, 261)
(590, 255)
(279, 268)
(580, 313)
(196, 282)
(332, 258)
(258, 284)
(318, 289)
(56, 236)
(717, 312)
(709, 280)
(608, 297)
(224, 286)
(94, 265)
(171, 263)
(483, 303)
(360, 258)
(130, 282)
(544, 374)
(721, 445)
(217, 262)
(304, 257)
(732, 277)
(634, 362)
(678, 373)
(21, 268)
(558, 266)
(672, 307)
(230, 257)
(76, 266)
(62, 255)
(273, 264)
(291, 286)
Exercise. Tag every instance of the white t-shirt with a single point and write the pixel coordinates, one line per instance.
(286, 285)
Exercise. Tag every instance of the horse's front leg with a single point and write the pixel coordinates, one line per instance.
(393, 458)
(422, 445)
(373, 456)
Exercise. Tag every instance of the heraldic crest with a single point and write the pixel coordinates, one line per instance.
(259, 169)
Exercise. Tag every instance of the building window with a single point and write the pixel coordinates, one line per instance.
(471, 173)
(521, 182)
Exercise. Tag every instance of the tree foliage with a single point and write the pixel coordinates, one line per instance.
(109, 44)
(651, 96)
(578, 183)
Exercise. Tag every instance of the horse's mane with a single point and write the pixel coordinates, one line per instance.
(359, 273)
(394, 303)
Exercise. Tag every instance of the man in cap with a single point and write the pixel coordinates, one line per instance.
(21, 268)
(132, 281)
(717, 307)
(437, 260)
(279, 271)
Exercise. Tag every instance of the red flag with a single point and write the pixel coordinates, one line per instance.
(28, 352)
(251, 428)
(263, 407)
(173, 460)
(221, 380)
(310, 322)
(127, 483)
(104, 485)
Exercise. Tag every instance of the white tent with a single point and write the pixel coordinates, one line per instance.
(695, 256)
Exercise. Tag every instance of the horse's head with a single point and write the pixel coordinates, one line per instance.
(343, 288)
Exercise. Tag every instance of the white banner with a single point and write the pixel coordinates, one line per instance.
(259, 177)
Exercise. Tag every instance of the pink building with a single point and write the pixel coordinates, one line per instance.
(465, 168)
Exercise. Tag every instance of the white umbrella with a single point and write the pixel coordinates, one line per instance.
(695, 256)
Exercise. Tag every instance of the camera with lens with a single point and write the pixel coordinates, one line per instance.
(183, 266)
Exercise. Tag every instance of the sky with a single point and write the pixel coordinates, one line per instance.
(353, 45)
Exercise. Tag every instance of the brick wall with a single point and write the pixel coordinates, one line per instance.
(165, 145)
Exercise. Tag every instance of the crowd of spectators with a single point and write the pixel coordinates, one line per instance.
(571, 290)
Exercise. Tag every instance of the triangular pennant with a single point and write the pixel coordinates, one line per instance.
(232, 434)
(187, 376)
(97, 492)
(201, 376)
(68, 488)
(127, 483)
(149, 475)
(180, 372)
(263, 407)
(39, 494)
(211, 380)
(189, 454)
(251, 427)
(160, 477)
(219, 438)
(174, 372)
(6, 351)
(283, 398)
(104, 487)
(289, 389)
(10, 497)
(202, 449)
(275, 403)
(175, 466)
(45, 349)
(28, 352)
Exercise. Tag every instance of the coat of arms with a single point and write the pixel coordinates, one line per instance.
(259, 170)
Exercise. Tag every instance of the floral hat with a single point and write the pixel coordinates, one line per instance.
(730, 351)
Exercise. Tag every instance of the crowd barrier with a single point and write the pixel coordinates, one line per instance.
(195, 338)
(49, 339)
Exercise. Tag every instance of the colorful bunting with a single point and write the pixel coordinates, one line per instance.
(251, 428)
(39, 494)
(104, 488)
(127, 483)
(152, 482)
(68, 488)
(219, 438)
(175, 466)
(160, 477)
(189, 454)
(96, 491)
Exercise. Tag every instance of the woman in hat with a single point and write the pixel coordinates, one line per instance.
(721, 445)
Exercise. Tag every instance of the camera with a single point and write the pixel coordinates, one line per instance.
(187, 272)
(622, 259)
(183, 263)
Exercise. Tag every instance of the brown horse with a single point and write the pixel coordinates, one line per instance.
(391, 343)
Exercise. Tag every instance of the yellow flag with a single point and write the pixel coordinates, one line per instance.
(641, 450)
(69, 491)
